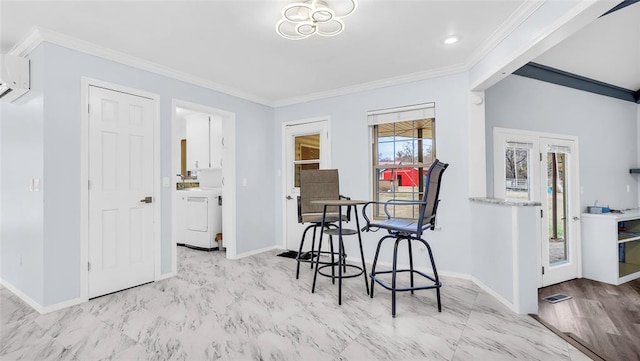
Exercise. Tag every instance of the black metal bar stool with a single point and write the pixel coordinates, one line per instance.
(409, 230)
(339, 233)
(317, 184)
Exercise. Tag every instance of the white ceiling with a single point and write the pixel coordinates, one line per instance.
(607, 50)
(233, 44)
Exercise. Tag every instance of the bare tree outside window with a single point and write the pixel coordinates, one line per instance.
(517, 172)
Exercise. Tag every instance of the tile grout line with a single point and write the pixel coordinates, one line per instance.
(465, 326)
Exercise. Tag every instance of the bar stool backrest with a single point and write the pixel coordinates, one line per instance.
(429, 209)
(317, 184)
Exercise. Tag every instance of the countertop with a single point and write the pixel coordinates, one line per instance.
(505, 202)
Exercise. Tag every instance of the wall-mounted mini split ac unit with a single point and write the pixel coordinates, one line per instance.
(14, 77)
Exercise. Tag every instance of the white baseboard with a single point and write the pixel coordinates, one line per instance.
(255, 252)
(37, 306)
(494, 294)
(28, 300)
(166, 275)
(61, 305)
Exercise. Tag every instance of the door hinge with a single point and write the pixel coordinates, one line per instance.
(542, 269)
(88, 266)
(541, 214)
(541, 157)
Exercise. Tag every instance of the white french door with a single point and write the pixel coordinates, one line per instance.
(306, 147)
(559, 195)
(544, 168)
(121, 213)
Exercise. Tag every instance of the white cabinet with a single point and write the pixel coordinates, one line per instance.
(197, 141)
(215, 140)
(204, 141)
(611, 247)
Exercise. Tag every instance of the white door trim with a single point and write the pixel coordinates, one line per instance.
(284, 165)
(229, 197)
(84, 176)
(499, 136)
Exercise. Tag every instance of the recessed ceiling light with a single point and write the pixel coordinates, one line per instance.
(451, 40)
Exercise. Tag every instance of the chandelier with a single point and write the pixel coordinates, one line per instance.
(303, 19)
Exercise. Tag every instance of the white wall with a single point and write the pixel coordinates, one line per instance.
(492, 247)
(505, 253)
(607, 129)
(21, 225)
(350, 136)
(637, 165)
(53, 147)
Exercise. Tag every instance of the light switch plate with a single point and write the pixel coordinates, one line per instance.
(34, 185)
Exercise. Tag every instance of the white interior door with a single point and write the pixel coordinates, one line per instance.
(121, 253)
(530, 166)
(307, 147)
(561, 259)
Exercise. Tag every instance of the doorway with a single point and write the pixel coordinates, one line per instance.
(218, 153)
(545, 168)
(120, 193)
(306, 146)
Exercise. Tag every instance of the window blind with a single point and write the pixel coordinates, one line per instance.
(394, 115)
(558, 149)
(519, 145)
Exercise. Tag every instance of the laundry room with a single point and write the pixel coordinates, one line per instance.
(199, 182)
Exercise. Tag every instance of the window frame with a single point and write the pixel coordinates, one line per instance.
(428, 111)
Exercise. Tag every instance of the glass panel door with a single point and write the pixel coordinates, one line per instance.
(307, 154)
(535, 167)
(557, 206)
(560, 209)
(305, 147)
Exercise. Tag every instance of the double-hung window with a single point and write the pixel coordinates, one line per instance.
(403, 150)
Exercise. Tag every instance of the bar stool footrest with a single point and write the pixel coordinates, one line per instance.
(359, 269)
(314, 254)
(336, 232)
(386, 285)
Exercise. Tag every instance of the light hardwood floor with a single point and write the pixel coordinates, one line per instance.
(606, 318)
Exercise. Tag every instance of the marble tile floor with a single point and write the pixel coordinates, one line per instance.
(255, 309)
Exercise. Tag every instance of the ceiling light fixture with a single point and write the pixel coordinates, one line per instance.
(323, 17)
(451, 40)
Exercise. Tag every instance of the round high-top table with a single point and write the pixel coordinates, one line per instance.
(340, 232)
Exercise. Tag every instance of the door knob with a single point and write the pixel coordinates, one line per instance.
(289, 198)
(146, 200)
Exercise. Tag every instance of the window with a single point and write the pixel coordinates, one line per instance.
(307, 154)
(403, 150)
(516, 160)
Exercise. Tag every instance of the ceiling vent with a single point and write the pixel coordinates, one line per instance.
(14, 77)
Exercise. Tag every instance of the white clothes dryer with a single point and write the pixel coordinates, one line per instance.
(199, 217)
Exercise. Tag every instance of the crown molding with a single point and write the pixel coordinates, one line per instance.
(38, 35)
(561, 28)
(521, 14)
(27, 43)
(377, 84)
